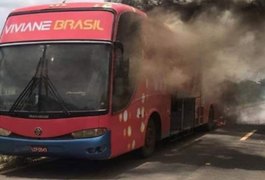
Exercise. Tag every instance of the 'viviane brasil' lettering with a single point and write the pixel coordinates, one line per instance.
(88, 24)
(28, 27)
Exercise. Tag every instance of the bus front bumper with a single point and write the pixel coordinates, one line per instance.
(95, 148)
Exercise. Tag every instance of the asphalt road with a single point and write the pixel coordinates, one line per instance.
(232, 152)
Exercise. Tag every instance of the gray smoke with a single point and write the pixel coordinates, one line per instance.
(222, 41)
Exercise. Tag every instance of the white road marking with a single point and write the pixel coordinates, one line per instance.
(248, 135)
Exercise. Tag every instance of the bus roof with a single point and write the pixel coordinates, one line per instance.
(117, 7)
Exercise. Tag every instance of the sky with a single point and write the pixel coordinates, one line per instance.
(6, 6)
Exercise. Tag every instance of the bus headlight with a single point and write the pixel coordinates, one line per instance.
(4, 132)
(89, 133)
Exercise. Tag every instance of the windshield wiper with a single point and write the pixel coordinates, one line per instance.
(39, 80)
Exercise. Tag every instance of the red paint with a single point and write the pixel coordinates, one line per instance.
(118, 8)
(51, 127)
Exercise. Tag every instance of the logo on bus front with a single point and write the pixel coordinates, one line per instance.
(38, 131)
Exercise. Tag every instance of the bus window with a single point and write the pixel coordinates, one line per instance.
(127, 52)
(54, 78)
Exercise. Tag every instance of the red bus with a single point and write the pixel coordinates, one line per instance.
(69, 85)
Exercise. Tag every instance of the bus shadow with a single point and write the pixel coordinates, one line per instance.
(86, 169)
(220, 149)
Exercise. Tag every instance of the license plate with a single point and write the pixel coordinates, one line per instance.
(39, 149)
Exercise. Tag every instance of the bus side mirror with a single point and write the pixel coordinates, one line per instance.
(121, 70)
(119, 47)
(1, 55)
(122, 63)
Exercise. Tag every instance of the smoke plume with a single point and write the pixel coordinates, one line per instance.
(209, 41)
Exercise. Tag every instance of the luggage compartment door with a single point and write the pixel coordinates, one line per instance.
(182, 113)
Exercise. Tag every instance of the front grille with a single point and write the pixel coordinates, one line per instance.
(64, 137)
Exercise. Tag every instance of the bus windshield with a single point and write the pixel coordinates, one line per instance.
(54, 78)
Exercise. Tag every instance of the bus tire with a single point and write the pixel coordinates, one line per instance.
(150, 140)
(211, 124)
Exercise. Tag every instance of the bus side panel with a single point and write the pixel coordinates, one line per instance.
(128, 127)
(160, 104)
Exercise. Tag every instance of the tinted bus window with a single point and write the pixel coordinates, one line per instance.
(127, 62)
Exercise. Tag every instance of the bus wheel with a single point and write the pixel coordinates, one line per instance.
(211, 124)
(150, 140)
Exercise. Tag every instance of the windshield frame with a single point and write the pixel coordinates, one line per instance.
(55, 115)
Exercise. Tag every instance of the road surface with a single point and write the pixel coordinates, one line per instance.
(232, 152)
